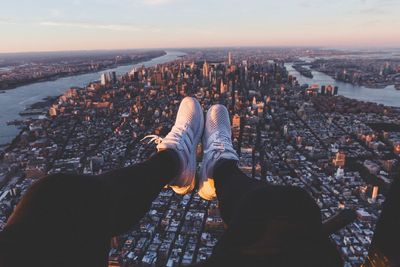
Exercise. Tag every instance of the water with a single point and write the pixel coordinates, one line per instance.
(5, 69)
(388, 96)
(16, 100)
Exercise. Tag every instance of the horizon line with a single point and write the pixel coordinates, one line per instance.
(337, 47)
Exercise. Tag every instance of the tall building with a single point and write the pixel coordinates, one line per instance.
(236, 126)
(205, 69)
(223, 87)
(323, 90)
(103, 79)
(113, 76)
(329, 90)
(374, 193)
(108, 77)
(335, 90)
(340, 159)
(230, 58)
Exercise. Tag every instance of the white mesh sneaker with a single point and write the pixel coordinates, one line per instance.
(217, 144)
(184, 138)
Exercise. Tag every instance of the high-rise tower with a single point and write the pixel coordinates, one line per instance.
(205, 69)
(230, 58)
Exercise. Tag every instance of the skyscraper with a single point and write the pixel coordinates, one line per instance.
(374, 193)
(108, 77)
(340, 159)
(222, 87)
(205, 69)
(335, 90)
(236, 126)
(103, 79)
(329, 90)
(323, 90)
(230, 58)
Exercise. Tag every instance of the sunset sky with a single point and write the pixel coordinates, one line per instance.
(48, 25)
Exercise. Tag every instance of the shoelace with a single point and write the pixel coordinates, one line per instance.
(153, 138)
(174, 135)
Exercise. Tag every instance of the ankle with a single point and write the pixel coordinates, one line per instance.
(223, 167)
(170, 163)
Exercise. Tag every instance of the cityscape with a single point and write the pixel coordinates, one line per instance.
(342, 150)
(213, 133)
(23, 69)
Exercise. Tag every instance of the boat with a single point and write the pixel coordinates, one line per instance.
(397, 86)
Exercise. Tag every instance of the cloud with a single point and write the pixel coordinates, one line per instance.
(118, 27)
(89, 25)
(7, 21)
(378, 7)
(158, 2)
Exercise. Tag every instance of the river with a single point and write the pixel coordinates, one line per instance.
(16, 100)
(388, 96)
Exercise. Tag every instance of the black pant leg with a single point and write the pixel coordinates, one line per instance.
(68, 220)
(231, 185)
(384, 249)
(130, 191)
(268, 225)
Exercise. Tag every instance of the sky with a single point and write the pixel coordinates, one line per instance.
(63, 25)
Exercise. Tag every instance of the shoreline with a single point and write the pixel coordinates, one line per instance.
(300, 63)
(378, 86)
(47, 101)
(44, 103)
(60, 76)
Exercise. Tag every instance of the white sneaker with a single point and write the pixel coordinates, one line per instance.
(217, 144)
(183, 138)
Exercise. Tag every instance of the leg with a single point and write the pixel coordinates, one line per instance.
(72, 218)
(268, 225)
(130, 191)
(384, 249)
(231, 185)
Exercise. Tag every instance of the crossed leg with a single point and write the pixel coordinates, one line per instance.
(268, 225)
(68, 220)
